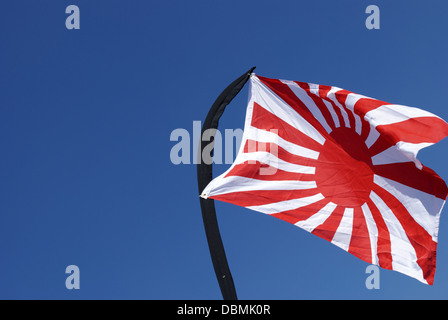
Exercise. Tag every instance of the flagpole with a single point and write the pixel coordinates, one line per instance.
(205, 175)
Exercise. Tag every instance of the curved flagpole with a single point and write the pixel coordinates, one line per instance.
(205, 175)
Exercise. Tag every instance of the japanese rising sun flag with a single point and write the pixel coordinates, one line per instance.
(344, 167)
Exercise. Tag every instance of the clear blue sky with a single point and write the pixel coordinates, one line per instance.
(85, 123)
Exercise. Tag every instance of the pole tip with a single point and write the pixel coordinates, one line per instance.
(251, 70)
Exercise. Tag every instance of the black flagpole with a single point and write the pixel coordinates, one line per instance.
(205, 175)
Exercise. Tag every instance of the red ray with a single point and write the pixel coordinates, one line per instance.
(407, 173)
(327, 229)
(360, 241)
(341, 97)
(279, 152)
(383, 242)
(420, 239)
(287, 95)
(365, 105)
(264, 120)
(365, 128)
(252, 170)
(323, 91)
(303, 213)
(262, 197)
(319, 103)
(381, 144)
(416, 130)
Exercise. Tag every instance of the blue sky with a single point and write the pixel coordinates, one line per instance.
(85, 123)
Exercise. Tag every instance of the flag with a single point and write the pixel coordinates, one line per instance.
(341, 166)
